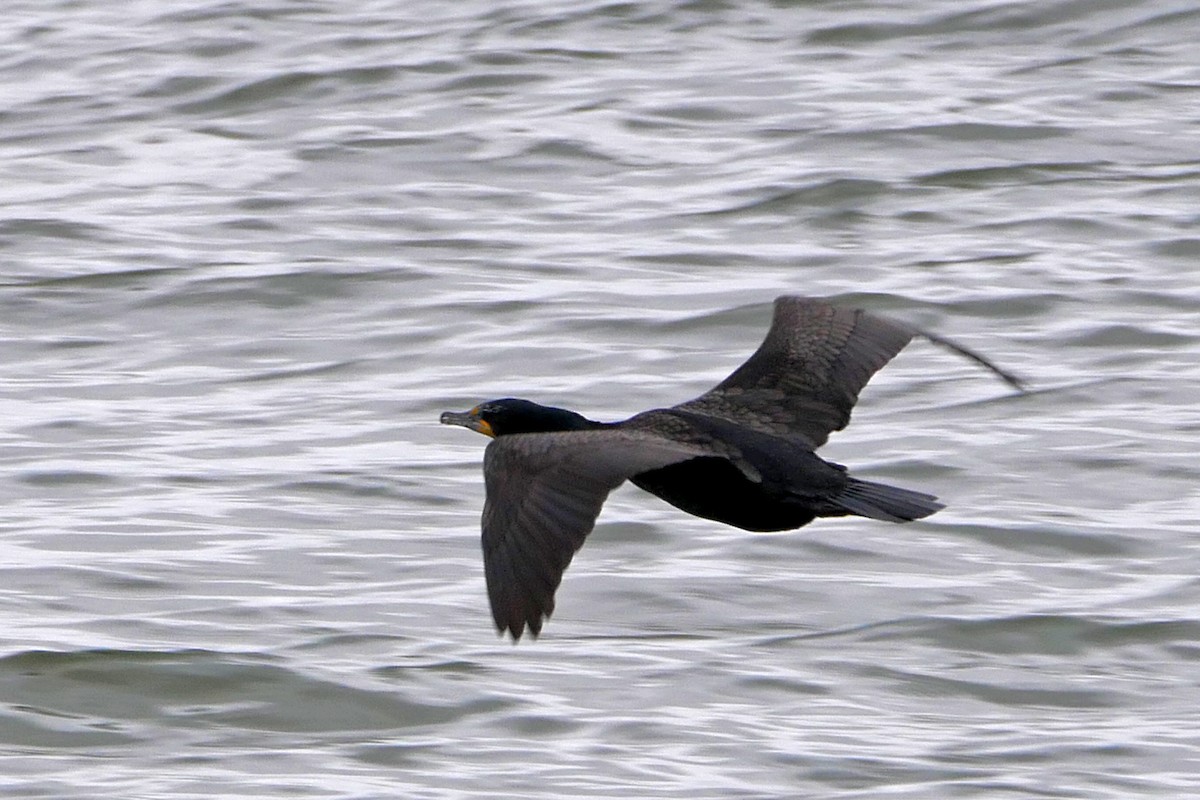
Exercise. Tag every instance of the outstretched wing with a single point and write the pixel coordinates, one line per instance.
(544, 491)
(806, 375)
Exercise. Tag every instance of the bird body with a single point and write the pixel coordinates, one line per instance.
(754, 481)
(742, 454)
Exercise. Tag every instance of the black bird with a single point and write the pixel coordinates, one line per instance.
(742, 454)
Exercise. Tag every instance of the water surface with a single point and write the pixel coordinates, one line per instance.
(249, 252)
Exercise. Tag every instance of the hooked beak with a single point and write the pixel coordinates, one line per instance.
(467, 419)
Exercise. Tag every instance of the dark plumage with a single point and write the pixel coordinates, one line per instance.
(742, 454)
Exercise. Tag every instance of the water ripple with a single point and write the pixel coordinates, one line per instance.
(251, 253)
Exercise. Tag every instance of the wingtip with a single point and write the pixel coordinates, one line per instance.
(1010, 378)
(512, 634)
(515, 632)
(517, 627)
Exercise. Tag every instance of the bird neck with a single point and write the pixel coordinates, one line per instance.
(560, 419)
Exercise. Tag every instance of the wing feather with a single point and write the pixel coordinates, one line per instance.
(805, 377)
(544, 492)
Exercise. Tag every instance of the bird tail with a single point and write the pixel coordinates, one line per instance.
(888, 503)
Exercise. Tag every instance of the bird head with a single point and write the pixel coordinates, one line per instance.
(511, 415)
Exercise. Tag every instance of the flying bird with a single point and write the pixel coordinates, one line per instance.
(742, 453)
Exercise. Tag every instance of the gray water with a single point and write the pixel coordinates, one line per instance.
(249, 251)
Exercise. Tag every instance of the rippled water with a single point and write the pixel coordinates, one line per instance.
(249, 251)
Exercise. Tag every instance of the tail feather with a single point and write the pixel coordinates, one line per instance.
(888, 503)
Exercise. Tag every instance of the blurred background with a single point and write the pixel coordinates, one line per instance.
(250, 250)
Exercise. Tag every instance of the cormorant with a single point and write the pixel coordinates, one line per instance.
(742, 454)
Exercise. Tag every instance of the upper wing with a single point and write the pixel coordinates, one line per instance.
(806, 375)
(544, 491)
